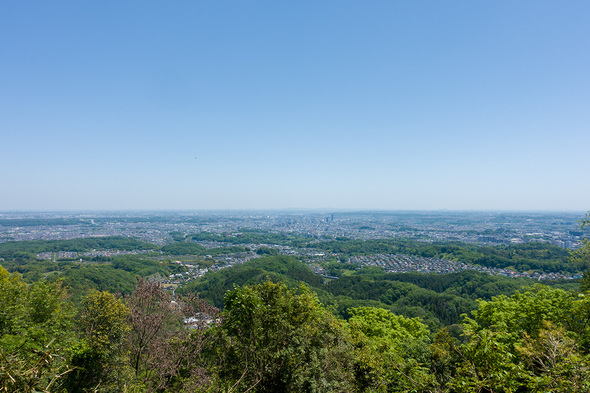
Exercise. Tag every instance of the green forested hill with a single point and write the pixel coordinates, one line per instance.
(117, 274)
(439, 299)
(289, 270)
(182, 248)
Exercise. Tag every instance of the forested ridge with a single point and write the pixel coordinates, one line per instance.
(272, 325)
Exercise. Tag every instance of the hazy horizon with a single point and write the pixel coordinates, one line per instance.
(289, 210)
(382, 106)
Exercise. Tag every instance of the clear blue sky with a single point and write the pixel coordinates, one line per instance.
(462, 105)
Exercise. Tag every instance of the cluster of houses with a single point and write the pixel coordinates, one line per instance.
(52, 255)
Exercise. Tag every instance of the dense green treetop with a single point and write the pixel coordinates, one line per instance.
(36, 324)
(275, 339)
(183, 249)
(382, 324)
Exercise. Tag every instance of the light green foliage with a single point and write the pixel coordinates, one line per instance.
(489, 364)
(274, 339)
(554, 363)
(12, 307)
(524, 312)
(392, 351)
(104, 320)
(35, 330)
(444, 357)
(381, 324)
(100, 365)
(535, 340)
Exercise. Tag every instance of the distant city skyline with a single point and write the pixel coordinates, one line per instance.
(299, 105)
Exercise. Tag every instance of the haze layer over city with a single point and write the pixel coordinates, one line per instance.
(560, 229)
